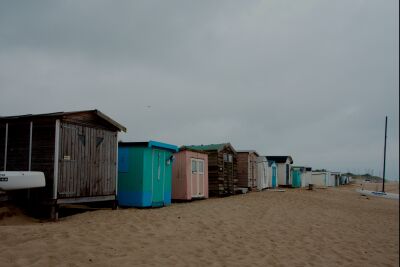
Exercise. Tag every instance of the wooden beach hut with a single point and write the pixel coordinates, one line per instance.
(247, 169)
(190, 175)
(144, 173)
(283, 164)
(77, 152)
(222, 168)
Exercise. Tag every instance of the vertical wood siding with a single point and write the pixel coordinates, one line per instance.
(18, 146)
(247, 169)
(243, 169)
(2, 144)
(222, 176)
(182, 174)
(87, 164)
(179, 177)
(43, 134)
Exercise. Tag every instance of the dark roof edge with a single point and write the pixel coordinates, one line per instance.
(62, 113)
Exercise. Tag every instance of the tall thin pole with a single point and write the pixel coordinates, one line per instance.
(384, 157)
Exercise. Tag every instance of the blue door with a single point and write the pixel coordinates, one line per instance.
(273, 176)
(296, 176)
(158, 179)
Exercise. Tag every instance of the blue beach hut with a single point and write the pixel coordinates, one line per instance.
(144, 173)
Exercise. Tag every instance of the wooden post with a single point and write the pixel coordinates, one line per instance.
(384, 157)
(54, 212)
(30, 157)
(56, 152)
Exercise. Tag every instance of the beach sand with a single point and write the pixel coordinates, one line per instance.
(298, 227)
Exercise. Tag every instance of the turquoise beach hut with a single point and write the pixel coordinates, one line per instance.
(144, 173)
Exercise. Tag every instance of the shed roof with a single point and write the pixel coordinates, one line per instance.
(210, 147)
(306, 168)
(150, 144)
(280, 159)
(184, 148)
(248, 151)
(63, 114)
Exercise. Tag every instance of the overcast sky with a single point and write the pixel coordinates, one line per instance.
(313, 79)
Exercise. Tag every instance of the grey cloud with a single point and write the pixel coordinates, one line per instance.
(313, 78)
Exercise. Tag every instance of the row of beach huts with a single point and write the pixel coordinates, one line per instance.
(83, 162)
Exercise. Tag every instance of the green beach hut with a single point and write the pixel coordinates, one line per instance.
(144, 173)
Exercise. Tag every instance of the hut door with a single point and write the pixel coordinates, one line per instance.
(159, 159)
(287, 174)
(197, 179)
(273, 176)
(264, 175)
(72, 140)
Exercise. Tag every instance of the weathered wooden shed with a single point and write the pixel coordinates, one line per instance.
(144, 173)
(247, 168)
(77, 151)
(190, 175)
(283, 164)
(222, 168)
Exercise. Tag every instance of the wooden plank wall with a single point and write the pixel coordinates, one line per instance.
(222, 176)
(18, 146)
(43, 137)
(243, 169)
(89, 119)
(87, 166)
(253, 170)
(2, 143)
(42, 158)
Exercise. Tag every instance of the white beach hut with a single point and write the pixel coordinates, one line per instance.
(321, 178)
(283, 164)
(263, 175)
(307, 176)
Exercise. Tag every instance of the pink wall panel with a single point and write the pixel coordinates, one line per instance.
(181, 174)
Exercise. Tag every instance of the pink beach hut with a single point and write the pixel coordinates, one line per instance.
(190, 175)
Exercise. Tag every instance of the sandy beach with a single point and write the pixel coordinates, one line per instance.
(323, 227)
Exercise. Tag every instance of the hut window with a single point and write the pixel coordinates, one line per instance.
(225, 157)
(200, 166)
(82, 139)
(99, 140)
(230, 158)
(193, 166)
